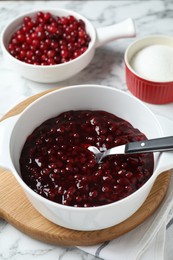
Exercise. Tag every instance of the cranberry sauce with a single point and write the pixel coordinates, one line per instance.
(56, 163)
(49, 40)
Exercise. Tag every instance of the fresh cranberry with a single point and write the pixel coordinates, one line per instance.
(56, 163)
(59, 39)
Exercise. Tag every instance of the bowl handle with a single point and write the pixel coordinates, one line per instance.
(165, 162)
(6, 127)
(123, 29)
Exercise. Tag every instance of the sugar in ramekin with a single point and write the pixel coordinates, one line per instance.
(149, 69)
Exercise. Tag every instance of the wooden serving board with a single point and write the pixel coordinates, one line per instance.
(18, 211)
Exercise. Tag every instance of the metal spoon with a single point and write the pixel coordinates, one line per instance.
(145, 146)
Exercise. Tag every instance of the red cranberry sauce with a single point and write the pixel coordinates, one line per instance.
(56, 163)
(48, 40)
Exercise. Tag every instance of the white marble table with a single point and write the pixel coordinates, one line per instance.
(107, 68)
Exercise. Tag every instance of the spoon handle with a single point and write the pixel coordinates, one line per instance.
(152, 145)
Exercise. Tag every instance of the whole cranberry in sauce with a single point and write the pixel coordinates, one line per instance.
(56, 163)
(48, 40)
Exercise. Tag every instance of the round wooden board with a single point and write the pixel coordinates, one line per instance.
(17, 210)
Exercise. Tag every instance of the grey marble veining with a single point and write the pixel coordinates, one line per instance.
(106, 68)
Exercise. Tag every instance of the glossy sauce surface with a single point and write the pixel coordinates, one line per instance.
(56, 163)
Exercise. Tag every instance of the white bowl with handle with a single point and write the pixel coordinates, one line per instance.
(59, 72)
(15, 130)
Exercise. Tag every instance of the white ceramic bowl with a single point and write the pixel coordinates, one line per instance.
(55, 73)
(13, 133)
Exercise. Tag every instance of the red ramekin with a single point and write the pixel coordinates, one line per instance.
(148, 91)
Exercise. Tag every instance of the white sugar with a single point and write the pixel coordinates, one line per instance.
(154, 63)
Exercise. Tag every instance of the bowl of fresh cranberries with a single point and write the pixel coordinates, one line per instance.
(53, 45)
(48, 154)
